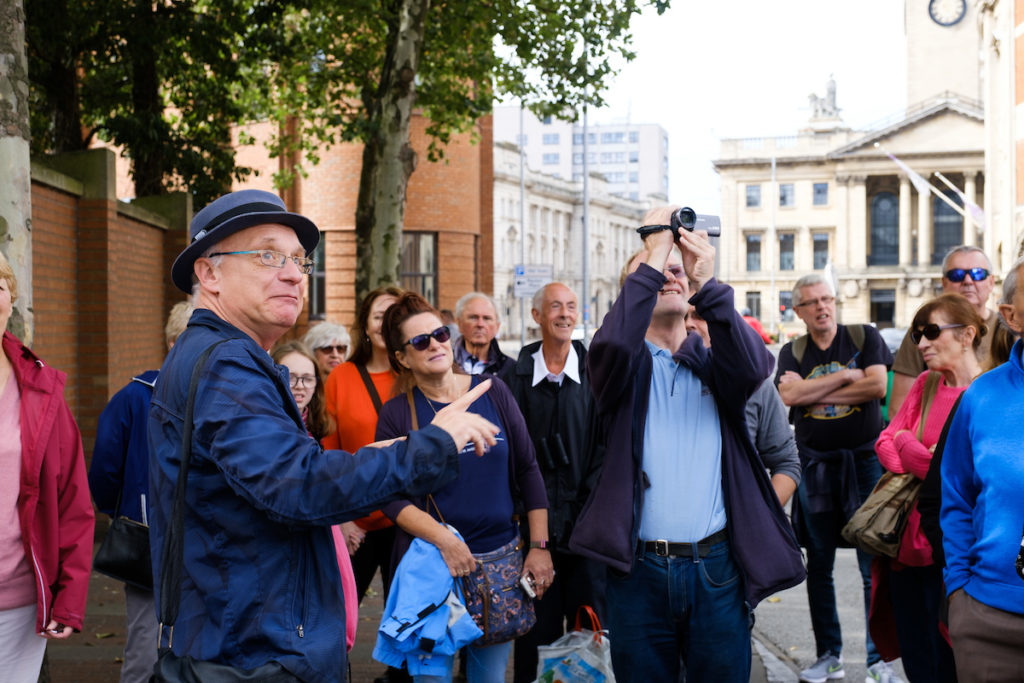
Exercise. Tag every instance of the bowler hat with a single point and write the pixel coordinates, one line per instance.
(233, 212)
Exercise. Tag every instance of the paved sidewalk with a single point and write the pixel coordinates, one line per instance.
(94, 655)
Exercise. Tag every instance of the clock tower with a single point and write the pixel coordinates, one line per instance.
(943, 43)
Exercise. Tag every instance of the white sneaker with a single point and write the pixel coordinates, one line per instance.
(827, 667)
(881, 672)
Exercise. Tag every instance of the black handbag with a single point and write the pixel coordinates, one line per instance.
(124, 553)
(170, 667)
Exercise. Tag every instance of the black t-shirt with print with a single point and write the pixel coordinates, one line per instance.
(828, 427)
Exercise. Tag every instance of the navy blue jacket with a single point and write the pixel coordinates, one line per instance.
(261, 580)
(620, 368)
(120, 459)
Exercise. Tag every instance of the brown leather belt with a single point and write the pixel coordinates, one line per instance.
(666, 549)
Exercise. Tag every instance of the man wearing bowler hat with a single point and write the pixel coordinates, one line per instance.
(260, 588)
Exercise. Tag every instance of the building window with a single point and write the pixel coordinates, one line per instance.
(617, 177)
(318, 281)
(821, 194)
(549, 138)
(787, 197)
(883, 307)
(550, 159)
(419, 264)
(634, 157)
(754, 304)
(634, 136)
(577, 138)
(786, 251)
(613, 157)
(753, 196)
(577, 158)
(613, 138)
(522, 140)
(820, 250)
(786, 306)
(948, 227)
(753, 253)
(885, 230)
(634, 195)
(634, 177)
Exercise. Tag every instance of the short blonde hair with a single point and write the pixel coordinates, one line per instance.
(177, 321)
(7, 273)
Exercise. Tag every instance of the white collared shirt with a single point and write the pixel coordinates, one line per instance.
(571, 369)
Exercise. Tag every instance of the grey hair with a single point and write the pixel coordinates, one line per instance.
(808, 281)
(466, 298)
(177, 321)
(538, 296)
(963, 249)
(326, 333)
(1010, 282)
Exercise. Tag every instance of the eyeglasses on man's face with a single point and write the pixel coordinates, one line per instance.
(958, 274)
(273, 259)
(303, 381)
(930, 332)
(826, 300)
(421, 342)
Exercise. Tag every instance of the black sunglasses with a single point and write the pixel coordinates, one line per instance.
(422, 341)
(930, 332)
(958, 275)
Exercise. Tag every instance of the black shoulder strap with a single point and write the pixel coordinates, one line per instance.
(857, 335)
(174, 541)
(799, 346)
(370, 388)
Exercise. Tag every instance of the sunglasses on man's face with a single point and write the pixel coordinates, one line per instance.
(958, 274)
(930, 332)
(421, 342)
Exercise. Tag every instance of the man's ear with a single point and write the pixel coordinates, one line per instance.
(207, 274)
(1013, 321)
(536, 315)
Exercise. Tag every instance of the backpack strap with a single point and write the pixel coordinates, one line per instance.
(370, 388)
(931, 387)
(857, 335)
(799, 346)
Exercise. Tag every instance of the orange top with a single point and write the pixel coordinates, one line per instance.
(345, 395)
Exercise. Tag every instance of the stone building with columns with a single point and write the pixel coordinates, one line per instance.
(829, 196)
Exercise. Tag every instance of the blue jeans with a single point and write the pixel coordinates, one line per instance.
(673, 611)
(483, 665)
(822, 539)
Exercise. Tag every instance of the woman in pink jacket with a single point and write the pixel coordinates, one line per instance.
(46, 517)
(947, 331)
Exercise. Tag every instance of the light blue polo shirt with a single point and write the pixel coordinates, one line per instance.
(682, 456)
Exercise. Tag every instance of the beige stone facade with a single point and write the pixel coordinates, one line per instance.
(837, 200)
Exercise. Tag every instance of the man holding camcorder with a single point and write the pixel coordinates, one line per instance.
(683, 513)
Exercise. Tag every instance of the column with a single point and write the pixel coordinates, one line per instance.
(971, 190)
(924, 229)
(843, 226)
(858, 227)
(906, 227)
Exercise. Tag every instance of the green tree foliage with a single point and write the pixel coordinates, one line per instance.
(166, 81)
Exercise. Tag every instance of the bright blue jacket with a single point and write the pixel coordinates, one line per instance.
(425, 620)
(261, 580)
(983, 489)
(120, 459)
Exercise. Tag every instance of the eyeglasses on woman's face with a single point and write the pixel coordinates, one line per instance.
(930, 332)
(421, 342)
(302, 381)
(334, 348)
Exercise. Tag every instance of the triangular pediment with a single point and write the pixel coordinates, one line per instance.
(946, 125)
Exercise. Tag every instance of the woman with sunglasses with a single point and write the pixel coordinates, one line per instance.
(489, 489)
(947, 330)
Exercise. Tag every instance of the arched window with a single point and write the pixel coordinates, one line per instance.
(948, 226)
(885, 230)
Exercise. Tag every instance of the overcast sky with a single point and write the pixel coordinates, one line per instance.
(707, 70)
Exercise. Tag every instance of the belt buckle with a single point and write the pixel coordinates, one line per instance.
(661, 548)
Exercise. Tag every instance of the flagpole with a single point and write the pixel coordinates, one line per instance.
(938, 193)
(963, 196)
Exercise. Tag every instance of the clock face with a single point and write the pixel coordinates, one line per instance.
(947, 12)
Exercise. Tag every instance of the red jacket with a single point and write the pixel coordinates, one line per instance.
(53, 504)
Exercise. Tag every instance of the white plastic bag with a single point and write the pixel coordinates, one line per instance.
(580, 656)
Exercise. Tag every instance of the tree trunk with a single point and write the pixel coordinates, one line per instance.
(147, 108)
(15, 165)
(388, 158)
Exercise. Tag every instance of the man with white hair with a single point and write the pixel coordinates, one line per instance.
(476, 350)
(966, 271)
(260, 590)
